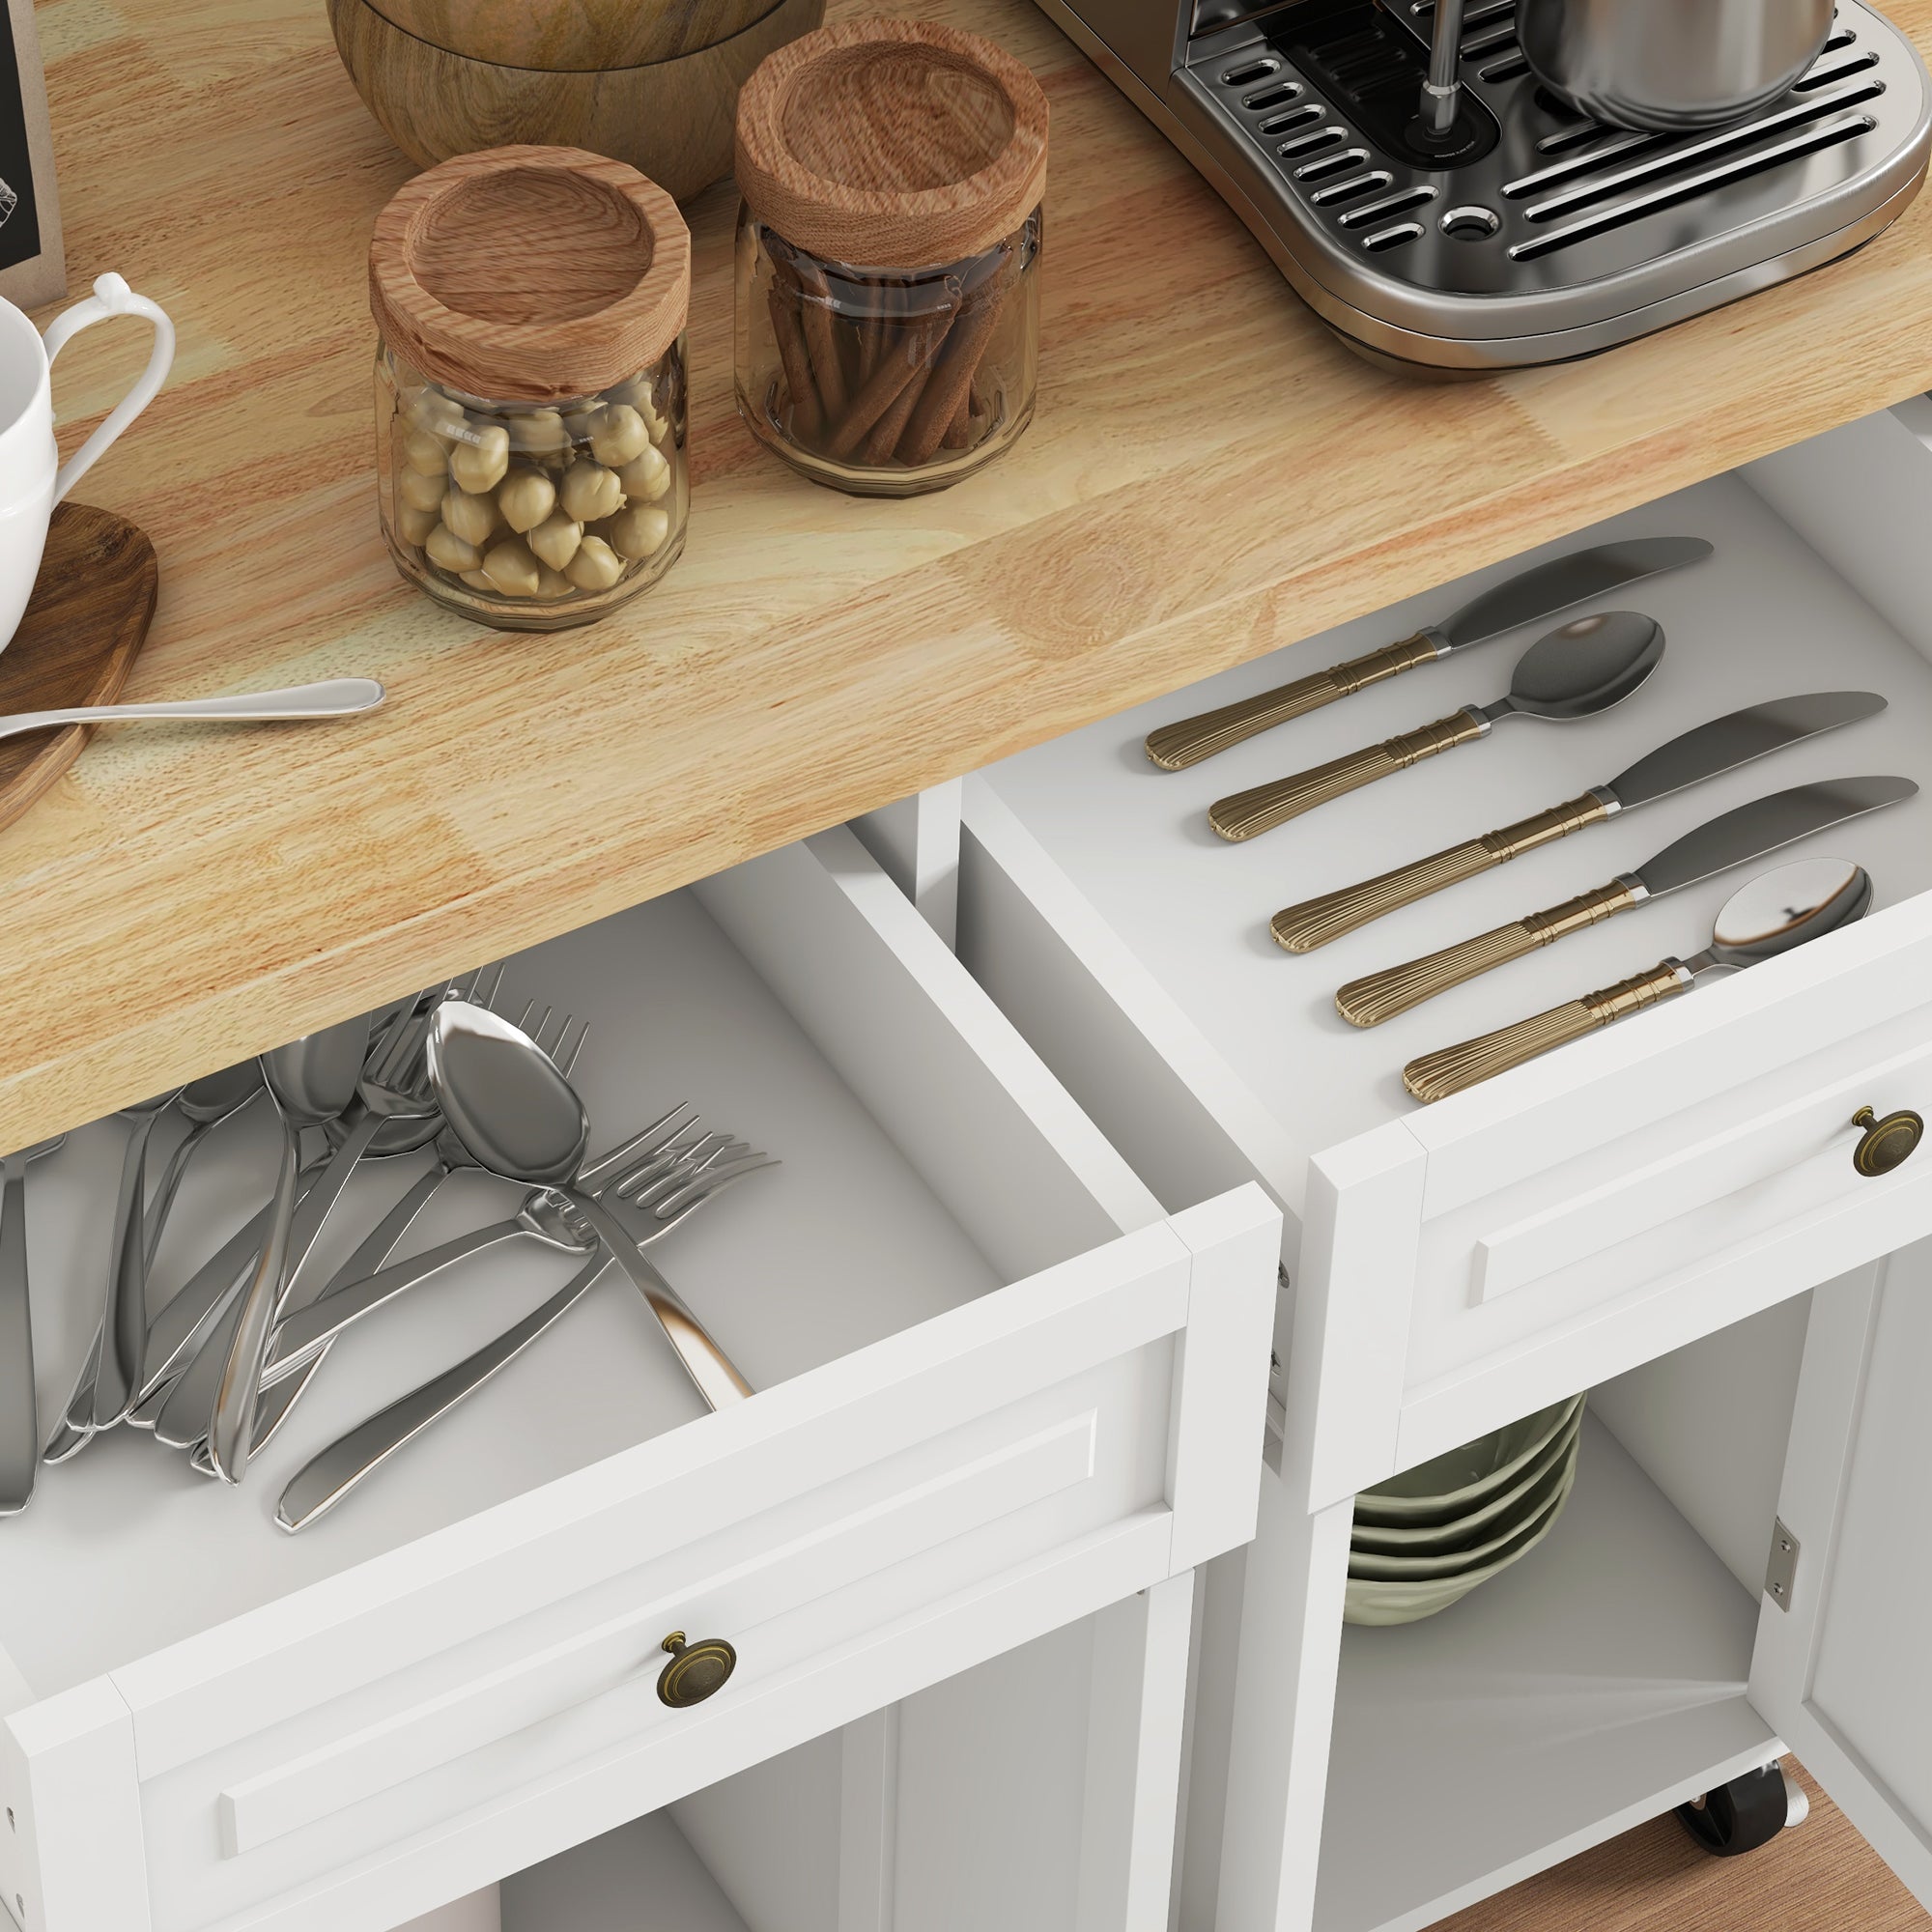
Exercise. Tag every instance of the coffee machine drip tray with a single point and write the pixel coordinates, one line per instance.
(1539, 234)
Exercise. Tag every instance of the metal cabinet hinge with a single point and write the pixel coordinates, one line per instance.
(1780, 1573)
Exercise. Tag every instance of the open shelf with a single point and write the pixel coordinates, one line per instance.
(1596, 1683)
(643, 1877)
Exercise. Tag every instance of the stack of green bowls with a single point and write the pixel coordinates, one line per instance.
(1426, 1539)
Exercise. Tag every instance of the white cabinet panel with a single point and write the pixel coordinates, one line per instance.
(1845, 1671)
(1457, 1266)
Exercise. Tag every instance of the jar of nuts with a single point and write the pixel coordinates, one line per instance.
(530, 384)
(888, 260)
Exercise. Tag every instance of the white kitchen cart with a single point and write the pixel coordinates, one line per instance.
(1645, 1214)
(1001, 1395)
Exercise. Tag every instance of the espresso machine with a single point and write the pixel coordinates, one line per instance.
(1463, 186)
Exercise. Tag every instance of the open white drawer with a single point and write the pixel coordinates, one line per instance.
(999, 1392)
(1458, 1266)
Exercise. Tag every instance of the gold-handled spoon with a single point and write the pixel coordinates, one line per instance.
(1577, 670)
(1780, 910)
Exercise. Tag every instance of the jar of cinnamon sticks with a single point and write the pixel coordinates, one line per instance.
(887, 265)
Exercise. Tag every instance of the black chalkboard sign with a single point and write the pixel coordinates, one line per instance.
(32, 269)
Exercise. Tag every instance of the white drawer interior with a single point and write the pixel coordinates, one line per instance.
(1764, 617)
(291, 1743)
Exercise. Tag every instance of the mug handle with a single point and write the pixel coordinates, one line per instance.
(111, 296)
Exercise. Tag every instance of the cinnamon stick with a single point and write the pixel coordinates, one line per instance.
(960, 431)
(878, 447)
(807, 414)
(821, 343)
(892, 389)
(950, 383)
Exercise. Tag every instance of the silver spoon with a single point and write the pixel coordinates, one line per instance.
(1577, 670)
(521, 1119)
(338, 698)
(311, 1081)
(111, 1376)
(19, 1420)
(1786, 907)
(205, 1103)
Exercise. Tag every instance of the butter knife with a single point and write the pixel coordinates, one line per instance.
(1764, 825)
(1703, 753)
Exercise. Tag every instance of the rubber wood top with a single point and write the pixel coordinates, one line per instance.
(88, 616)
(1208, 478)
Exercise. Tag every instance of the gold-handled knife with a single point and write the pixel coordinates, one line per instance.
(1697, 754)
(1778, 910)
(1736, 838)
(1527, 598)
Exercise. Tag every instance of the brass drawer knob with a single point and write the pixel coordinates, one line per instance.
(696, 1670)
(1888, 1143)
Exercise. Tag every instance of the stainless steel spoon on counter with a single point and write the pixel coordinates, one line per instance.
(311, 1081)
(20, 1416)
(505, 1101)
(1577, 670)
(338, 697)
(1780, 910)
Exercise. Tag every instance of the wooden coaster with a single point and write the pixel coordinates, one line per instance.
(87, 617)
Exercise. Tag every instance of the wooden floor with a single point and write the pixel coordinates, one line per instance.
(1822, 1877)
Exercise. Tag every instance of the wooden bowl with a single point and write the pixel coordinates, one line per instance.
(668, 114)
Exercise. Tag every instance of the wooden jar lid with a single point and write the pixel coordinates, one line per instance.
(891, 143)
(573, 36)
(530, 274)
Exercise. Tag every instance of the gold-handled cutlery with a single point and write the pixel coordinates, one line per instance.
(1702, 753)
(1529, 598)
(1778, 910)
(1735, 838)
(1578, 670)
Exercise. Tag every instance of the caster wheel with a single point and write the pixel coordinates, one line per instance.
(1743, 1815)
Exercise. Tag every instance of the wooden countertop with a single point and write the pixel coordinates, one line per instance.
(1208, 477)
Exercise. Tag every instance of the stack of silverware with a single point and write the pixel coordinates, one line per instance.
(216, 1371)
(1578, 672)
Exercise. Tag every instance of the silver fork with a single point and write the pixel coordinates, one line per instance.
(660, 1150)
(338, 1469)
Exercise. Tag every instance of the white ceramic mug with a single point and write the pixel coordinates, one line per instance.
(33, 479)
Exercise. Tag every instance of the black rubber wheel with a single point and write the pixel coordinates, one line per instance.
(1740, 1816)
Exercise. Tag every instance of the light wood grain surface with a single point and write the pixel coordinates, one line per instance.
(1822, 1877)
(1208, 478)
(76, 646)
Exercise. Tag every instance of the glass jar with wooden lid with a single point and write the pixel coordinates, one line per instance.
(888, 255)
(530, 384)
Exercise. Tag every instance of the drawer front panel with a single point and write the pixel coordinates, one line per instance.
(857, 1532)
(1706, 1172)
(752, 1598)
